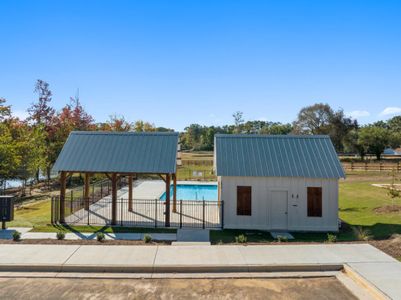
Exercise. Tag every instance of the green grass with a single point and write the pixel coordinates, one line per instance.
(358, 199)
(32, 214)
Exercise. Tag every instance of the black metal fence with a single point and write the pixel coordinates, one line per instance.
(144, 213)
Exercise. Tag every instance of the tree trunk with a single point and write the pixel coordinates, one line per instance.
(378, 155)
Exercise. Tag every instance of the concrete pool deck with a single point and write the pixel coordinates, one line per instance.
(364, 262)
(148, 210)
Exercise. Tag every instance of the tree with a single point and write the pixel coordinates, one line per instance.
(141, 126)
(322, 119)
(314, 119)
(9, 158)
(394, 124)
(352, 143)
(5, 110)
(238, 120)
(116, 123)
(41, 113)
(374, 139)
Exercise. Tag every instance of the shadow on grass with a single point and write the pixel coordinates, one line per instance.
(377, 231)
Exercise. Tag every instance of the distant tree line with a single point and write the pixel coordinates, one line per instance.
(30, 147)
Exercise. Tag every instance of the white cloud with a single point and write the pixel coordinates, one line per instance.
(20, 114)
(359, 114)
(391, 111)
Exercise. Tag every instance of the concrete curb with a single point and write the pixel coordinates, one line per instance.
(354, 275)
(170, 268)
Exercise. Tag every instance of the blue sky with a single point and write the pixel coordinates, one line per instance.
(178, 62)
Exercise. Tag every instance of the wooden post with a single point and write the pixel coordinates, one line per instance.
(62, 196)
(114, 199)
(130, 178)
(167, 212)
(86, 190)
(174, 192)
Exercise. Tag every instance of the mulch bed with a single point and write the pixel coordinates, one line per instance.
(391, 246)
(84, 242)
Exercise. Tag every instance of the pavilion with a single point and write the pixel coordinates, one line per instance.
(116, 155)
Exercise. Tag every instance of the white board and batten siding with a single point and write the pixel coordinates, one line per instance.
(280, 203)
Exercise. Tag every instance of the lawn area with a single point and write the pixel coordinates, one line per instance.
(358, 199)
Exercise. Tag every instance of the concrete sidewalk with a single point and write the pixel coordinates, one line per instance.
(364, 261)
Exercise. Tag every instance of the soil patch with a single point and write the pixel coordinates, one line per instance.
(391, 246)
(388, 209)
(58, 288)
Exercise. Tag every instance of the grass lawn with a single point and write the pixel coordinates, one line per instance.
(358, 199)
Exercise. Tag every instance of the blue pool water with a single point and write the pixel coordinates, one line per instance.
(194, 192)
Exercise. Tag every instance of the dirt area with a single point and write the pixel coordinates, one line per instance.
(290, 288)
(391, 246)
(84, 242)
(388, 209)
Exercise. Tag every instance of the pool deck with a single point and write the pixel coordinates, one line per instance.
(148, 213)
(362, 262)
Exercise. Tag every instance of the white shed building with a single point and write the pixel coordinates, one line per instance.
(273, 182)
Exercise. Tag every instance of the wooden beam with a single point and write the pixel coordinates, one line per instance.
(114, 199)
(62, 196)
(86, 190)
(164, 179)
(174, 192)
(130, 188)
(167, 212)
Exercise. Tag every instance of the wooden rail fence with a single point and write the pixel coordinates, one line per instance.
(372, 166)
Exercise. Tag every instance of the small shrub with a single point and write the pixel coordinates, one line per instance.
(331, 238)
(281, 238)
(147, 238)
(60, 235)
(361, 234)
(100, 237)
(241, 239)
(16, 236)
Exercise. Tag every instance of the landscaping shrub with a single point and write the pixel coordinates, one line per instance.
(331, 238)
(16, 236)
(100, 237)
(281, 238)
(147, 238)
(60, 235)
(361, 233)
(241, 239)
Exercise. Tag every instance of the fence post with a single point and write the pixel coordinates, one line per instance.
(52, 211)
(101, 190)
(93, 193)
(88, 212)
(71, 199)
(222, 214)
(155, 213)
(121, 211)
(203, 214)
(180, 213)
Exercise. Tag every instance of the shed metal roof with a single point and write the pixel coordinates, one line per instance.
(122, 152)
(276, 156)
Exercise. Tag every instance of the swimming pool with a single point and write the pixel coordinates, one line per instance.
(194, 192)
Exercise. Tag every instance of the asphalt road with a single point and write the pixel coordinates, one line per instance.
(58, 288)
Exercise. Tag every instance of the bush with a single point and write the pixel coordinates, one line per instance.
(361, 234)
(331, 238)
(281, 238)
(60, 235)
(241, 239)
(16, 236)
(147, 238)
(100, 237)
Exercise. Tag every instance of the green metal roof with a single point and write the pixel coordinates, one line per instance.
(276, 156)
(98, 151)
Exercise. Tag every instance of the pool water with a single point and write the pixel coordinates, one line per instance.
(194, 192)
